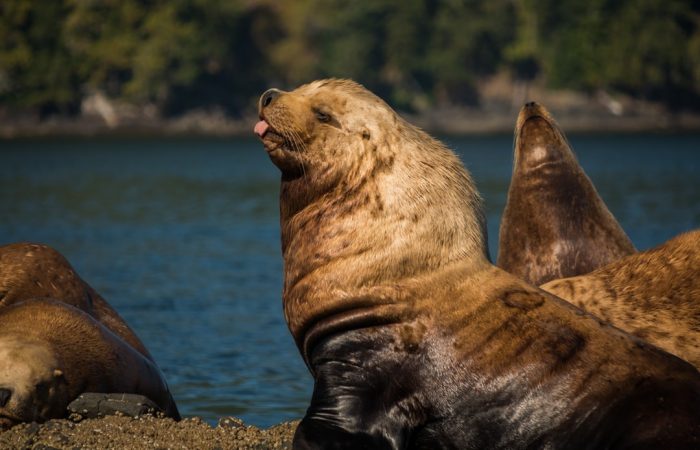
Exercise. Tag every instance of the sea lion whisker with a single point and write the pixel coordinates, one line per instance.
(299, 145)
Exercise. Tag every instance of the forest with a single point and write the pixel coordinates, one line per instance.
(178, 55)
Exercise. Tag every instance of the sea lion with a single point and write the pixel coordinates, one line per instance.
(51, 352)
(414, 339)
(554, 225)
(654, 295)
(29, 270)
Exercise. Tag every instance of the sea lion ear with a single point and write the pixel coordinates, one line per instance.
(366, 134)
(57, 373)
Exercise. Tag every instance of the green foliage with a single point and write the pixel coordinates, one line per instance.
(34, 63)
(184, 54)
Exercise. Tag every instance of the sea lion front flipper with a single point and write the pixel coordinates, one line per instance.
(358, 373)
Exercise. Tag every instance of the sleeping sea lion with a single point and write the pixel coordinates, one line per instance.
(414, 339)
(554, 225)
(29, 270)
(654, 295)
(51, 352)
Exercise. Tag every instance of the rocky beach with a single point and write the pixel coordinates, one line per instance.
(146, 432)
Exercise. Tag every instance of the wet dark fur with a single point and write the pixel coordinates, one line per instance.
(415, 342)
(654, 295)
(554, 225)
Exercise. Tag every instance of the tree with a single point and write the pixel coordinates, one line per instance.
(35, 66)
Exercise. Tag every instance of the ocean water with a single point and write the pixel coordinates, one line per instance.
(181, 236)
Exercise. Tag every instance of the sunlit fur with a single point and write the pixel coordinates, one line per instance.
(383, 200)
(29, 270)
(414, 339)
(555, 224)
(654, 295)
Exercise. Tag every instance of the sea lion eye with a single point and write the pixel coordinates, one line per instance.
(322, 116)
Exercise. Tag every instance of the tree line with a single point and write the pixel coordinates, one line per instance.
(183, 54)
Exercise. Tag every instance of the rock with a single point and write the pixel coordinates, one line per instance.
(92, 405)
(230, 422)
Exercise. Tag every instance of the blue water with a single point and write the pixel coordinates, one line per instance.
(182, 238)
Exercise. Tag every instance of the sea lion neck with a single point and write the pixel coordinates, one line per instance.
(396, 216)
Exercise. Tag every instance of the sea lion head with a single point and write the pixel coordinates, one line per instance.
(32, 386)
(340, 138)
(555, 224)
(323, 130)
(367, 201)
(539, 142)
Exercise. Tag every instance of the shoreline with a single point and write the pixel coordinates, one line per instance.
(438, 122)
(500, 100)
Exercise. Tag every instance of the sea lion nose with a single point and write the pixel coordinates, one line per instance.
(530, 104)
(5, 395)
(269, 97)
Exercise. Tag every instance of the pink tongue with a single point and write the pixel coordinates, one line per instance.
(261, 128)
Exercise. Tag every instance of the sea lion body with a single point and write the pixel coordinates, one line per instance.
(29, 270)
(654, 295)
(51, 352)
(554, 225)
(414, 339)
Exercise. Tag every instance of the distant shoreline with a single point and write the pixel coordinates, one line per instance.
(497, 113)
(445, 123)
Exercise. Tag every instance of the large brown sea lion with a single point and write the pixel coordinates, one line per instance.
(51, 352)
(654, 295)
(554, 225)
(29, 270)
(415, 340)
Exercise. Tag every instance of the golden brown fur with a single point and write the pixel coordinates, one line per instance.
(555, 224)
(358, 190)
(654, 295)
(38, 271)
(415, 340)
(51, 352)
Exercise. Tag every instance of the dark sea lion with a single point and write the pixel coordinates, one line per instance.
(51, 352)
(414, 339)
(654, 295)
(554, 225)
(30, 270)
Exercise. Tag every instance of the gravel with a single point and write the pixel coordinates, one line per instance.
(146, 432)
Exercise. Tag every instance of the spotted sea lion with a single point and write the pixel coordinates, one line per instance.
(414, 339)
(654, 295)
(51, 352)
(29, 270)
(554, 225)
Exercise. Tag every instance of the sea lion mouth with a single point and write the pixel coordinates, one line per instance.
(8, 421)
(271, 138)
(534, 118)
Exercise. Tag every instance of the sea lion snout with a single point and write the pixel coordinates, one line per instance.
(532, 108)
(539, 142)
(268, 98)
(530, 113)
